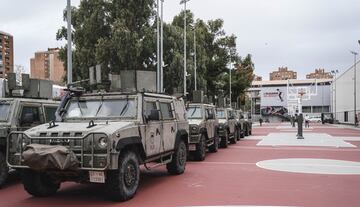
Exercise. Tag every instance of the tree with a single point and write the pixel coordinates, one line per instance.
(120, 35)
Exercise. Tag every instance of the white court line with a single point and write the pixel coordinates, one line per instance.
(334, 149)
(224, 163)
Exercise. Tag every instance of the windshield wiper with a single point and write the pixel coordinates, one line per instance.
(125, 107)
(78, 103)
(101, 104)
(193, 112)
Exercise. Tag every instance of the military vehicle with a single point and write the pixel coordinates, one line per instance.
(102, 138)
(228, 129)
(203, 125)
(245, 123)
(20, 113)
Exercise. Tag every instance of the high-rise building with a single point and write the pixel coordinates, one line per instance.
(319, 74)
(283, 73)
(46, 65)
(6, 54)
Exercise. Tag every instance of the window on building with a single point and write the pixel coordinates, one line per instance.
(306, 109)
(317, 109)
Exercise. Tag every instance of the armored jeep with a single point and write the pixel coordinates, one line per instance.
(22, 107)
(19, 114)
(203, 130)
(245, 123)
(228, 129)
(102, 138)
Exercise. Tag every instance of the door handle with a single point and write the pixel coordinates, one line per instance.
(172, 130)
(157, 132)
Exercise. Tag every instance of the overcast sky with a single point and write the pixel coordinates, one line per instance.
(300, 34)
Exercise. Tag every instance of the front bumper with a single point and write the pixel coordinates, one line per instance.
(85, 148)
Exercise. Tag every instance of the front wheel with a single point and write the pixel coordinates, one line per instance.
(4, 169)
(225, 140)
(123, 183)
(39, 184)
(200, 153)
(178, 162)
(214, 147)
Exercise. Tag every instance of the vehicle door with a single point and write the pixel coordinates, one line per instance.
(231, 121)
(152, 128)
(169, 125)
(30, 115)
(210, 121)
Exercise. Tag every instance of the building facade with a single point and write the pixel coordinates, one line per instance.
(46, 65)
(257, 78)
(319, 74)
(274, 100)
(344, 95)
(283, 73)
(6, 54)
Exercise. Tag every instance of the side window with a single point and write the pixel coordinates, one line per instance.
(30, 115)
(148, 107)
(166, 111)
(49, 113)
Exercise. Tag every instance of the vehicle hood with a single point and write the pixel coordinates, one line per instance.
(78, 128)
(222, 121)
(195, 121)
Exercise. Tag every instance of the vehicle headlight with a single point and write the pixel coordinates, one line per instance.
(103, 143)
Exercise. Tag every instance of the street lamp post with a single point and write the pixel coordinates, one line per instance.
(195, 65)
(230, 83)
(158, 47)
(355, 54)
(69, 47)
(185, 73)
(162, 49)
(335, 72)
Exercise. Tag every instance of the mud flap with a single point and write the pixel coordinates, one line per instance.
(43, 157)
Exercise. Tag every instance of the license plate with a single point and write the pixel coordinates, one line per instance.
(192, 147)
(97, 176)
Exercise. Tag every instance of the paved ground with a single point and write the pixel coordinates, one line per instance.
(245, 174)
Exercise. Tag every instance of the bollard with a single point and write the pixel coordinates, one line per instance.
(300, 121)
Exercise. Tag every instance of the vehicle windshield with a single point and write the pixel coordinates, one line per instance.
(4, 111)
(220, 114)
(112, 108)
(194, 113)
(327, 116)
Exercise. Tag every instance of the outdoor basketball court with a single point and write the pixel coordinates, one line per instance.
(270, 168)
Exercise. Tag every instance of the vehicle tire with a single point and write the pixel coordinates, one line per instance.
(214, 147)
(242, 133)
(200, 153)
(234, 139)
(178, 162)
(39, 184)
(4, 169)
(123, 183)
(238, 134)
(246, 132)
(225, 141)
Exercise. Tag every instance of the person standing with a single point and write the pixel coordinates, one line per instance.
(261, 121)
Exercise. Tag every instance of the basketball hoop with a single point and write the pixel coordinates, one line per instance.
(302, 93)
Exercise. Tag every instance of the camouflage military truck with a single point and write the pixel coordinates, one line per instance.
(203, 130)
(102, 138)
(245, 123)
(22, 107)
(228, 129)
(19, 114)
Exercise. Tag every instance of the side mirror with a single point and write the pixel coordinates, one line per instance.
(154, 115)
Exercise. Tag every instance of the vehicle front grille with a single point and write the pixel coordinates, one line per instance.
(86, 149)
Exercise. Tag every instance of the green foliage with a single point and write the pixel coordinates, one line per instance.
(121, 35)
